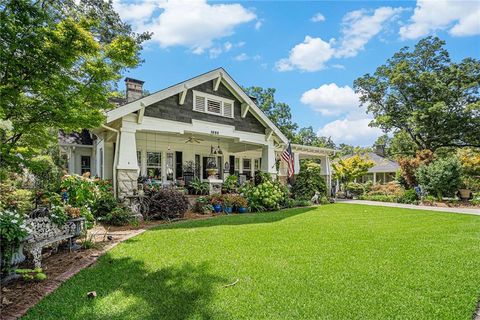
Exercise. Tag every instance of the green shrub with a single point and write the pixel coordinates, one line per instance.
(302, 203)
(356, 189)
(324, 200)
(440, 178)
(409, 197)
(268, 195)
(309, 181)
(203, 205)
(379, 197)
(198, 186)
(230, 185)
(118, 217)
(48, 174)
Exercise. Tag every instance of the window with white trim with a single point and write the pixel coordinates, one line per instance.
(207, 103)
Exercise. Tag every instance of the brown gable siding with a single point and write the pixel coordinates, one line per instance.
(170, 109)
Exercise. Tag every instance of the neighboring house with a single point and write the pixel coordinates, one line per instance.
(181, 131)
(384, 169)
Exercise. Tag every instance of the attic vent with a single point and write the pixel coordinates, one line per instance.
(208, 103)
(199, 104)
(227, 110)
(214, 106)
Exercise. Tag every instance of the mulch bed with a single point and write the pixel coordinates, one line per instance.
(18, 296)
(448, 204)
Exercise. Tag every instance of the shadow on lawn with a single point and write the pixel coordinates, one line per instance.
(237, 219)
(127, 290)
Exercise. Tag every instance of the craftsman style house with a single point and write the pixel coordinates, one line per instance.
(205, 127)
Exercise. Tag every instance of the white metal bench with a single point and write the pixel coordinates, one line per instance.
(45, 233)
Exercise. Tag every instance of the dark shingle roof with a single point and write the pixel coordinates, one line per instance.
(83, 137)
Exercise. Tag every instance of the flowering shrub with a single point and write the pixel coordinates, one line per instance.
(93, 197)
(12, 226)
(13, 230)
(268, 195)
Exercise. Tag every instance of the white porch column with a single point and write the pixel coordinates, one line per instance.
(296, 162)
(127, 166)
(374, 177)
(268, 158)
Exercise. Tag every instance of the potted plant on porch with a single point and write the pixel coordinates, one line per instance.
(216, 200)
(228, 203)
(13, 234)
(241, 204)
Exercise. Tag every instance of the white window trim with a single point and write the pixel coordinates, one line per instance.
(208, 96)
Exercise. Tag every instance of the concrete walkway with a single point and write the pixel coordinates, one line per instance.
(411, 206)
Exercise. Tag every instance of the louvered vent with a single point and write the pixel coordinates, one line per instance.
(214, 106)
(227, 110)
(199, 104)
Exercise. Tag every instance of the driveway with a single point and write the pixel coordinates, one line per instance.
(412, 206)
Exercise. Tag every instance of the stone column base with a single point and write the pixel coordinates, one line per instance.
(126, 182)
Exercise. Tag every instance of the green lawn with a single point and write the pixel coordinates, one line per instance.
(332, 262)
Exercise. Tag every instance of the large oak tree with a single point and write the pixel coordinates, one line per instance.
(422, 93)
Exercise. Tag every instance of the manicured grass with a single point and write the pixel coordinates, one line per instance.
(332, 262)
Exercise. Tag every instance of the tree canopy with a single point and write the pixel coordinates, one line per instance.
(281, 116)
(351, 168)
(59, 61)
(422, 93)
(306, 136)
(278, 112)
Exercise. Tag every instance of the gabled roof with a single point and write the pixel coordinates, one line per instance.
(226, 79)
(382, 164)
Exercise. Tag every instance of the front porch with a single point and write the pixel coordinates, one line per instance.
(169, 158)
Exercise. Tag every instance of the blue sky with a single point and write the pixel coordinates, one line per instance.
(311, 52)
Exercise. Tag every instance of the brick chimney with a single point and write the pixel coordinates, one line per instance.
(134, 89)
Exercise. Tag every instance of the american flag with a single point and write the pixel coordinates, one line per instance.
(287, 155)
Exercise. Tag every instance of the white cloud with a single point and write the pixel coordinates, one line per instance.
(194, 24)
(330, 99)
(243, 57)
(310, 55)
(460, 18)
(258, 24)
(227, 46)
(215, 52)
(359, 27)
(333, 100)
(318, 17)
(135, 11)
(350, 131)
(338, 66)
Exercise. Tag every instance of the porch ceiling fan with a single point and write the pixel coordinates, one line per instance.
(192, 139)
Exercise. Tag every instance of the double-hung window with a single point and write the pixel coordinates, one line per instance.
(85, 164)
(208, 103)
(154, 165)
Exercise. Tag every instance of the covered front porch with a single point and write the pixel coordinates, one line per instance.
(173, 153)
(170, 158)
